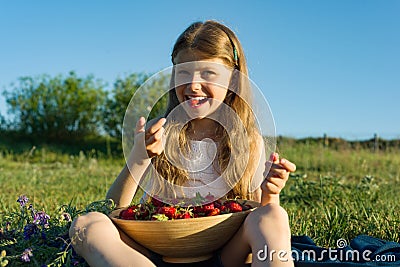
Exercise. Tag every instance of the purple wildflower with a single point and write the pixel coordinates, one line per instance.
(26, 254)
(41, 218)
(22, 200)
(29, 230)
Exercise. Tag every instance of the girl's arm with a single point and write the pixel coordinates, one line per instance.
(125, 186)
(276, 174)
(147, 144)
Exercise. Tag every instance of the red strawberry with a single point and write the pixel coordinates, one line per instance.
(274, 157)
(233, 206)
(170, 212)
(223, 208)
(215, 211)
(185, 215)
(127, 214)
(208, 207)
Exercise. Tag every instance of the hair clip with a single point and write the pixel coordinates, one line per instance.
(235, 55)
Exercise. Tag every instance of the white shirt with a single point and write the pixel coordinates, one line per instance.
(203, 170)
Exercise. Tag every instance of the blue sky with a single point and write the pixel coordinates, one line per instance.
(324, 66)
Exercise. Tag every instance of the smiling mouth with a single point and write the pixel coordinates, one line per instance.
(196, 101)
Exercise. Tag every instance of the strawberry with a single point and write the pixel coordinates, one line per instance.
(233, 206)
(185, 215)
(208, 207)
(223, 209)
(182, 208)
(215, 211)
(128, 214)
(274, 157)
(170, 212)
(193, 102)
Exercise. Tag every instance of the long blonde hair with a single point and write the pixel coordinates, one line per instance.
(214, 40)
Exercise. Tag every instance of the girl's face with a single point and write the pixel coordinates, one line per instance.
(201, 84)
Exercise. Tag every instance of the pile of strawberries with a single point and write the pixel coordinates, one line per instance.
(157, 210)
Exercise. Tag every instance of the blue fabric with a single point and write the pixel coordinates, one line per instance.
(362, 251)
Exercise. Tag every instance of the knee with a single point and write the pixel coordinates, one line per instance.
(271, 218)
(86, 226)
(86, 221)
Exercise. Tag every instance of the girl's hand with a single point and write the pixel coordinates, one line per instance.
(152, 136)
(276, 178)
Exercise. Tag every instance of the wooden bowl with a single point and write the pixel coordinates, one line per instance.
(184, 240)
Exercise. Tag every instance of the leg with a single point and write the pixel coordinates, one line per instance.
(266, 234)
(99, 242)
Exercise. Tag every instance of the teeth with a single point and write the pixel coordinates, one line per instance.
(198, 98)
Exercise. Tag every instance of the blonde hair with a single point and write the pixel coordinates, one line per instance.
(214, 40)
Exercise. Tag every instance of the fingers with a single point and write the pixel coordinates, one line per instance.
(140, 125)
(289, 166)
(155, 137)
(155, 132)
(275, 181)
(150, 136)
(276, 163)
(274, 185)
(276, 173)
(155, 127)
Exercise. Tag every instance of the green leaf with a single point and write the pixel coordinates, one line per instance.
(161, 217)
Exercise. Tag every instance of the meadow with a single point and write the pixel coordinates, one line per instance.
(335, 193)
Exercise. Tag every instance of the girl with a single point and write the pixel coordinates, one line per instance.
(207, 58)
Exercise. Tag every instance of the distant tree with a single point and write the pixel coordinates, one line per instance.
(2, 123)
(57, 108)
(122, 93)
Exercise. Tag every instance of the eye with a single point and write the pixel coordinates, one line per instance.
(183, 72)
(182, 76)
(206, 74)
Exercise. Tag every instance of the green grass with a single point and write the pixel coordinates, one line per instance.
(50, 179)
(335, 192)
(342, 193)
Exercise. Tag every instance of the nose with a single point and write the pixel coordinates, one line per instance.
(195, 82)
(194, 86)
